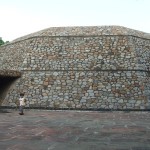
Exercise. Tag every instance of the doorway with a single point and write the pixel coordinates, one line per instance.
(5, 84)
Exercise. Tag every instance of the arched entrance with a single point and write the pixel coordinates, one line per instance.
(7, 79)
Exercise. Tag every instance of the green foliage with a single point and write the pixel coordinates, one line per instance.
(1, 42)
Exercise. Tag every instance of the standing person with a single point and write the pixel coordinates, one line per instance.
(22, 103)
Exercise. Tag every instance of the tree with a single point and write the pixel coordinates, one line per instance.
(1, 41)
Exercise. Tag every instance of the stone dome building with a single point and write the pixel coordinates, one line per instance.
(100, 67)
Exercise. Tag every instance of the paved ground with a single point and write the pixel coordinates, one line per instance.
(71, 130)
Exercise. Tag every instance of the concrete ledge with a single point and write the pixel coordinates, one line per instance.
(10, 73)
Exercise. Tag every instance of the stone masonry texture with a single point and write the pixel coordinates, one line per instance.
(106, 67)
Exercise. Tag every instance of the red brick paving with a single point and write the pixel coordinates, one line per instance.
(74, 130)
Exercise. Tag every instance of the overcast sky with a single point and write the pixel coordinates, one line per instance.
(22, 17)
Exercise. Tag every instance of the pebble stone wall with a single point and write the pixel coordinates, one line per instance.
(104, 67)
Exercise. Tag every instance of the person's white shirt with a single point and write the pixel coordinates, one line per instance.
(22, 101)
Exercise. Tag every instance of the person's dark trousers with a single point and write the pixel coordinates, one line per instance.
(21, 110)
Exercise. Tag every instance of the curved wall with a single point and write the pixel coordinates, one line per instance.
(83, 70)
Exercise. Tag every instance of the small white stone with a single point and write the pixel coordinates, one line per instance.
(100, 57)
(55, 73)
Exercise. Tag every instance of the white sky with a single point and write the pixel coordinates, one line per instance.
(22, 17)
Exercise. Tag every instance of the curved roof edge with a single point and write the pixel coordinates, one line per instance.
(86, 31)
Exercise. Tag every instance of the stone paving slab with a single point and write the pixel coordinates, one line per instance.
(74, 130)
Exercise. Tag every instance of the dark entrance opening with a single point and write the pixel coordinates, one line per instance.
(5, 84)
